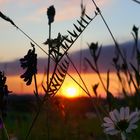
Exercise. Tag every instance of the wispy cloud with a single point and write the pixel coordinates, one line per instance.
(105, 60)
(2, 2)
(66, 10)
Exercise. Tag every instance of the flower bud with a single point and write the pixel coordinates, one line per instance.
(51, 14)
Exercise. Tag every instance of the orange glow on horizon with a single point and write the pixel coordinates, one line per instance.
(69, 87)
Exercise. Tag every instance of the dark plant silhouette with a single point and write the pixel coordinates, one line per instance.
(51, 14)
(136, 1)
(4, 92)
(29, 62)
(7, 19)
(95, 52)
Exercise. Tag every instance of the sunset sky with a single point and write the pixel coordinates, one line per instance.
(30, 16)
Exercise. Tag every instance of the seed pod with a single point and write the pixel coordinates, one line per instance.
(51, 14)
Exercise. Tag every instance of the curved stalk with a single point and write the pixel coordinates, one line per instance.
(136, 1)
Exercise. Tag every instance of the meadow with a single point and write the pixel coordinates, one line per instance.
(77, 120)
(75, 125)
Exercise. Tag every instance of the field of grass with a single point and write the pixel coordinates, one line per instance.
(79, 122)
(75, 125)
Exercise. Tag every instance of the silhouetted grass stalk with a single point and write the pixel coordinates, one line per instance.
(117, 47)
(87, 91)
(33, 121)
(78, 36)
(136, 1)
(48, 80)
(116, 44)
(35, 82)
(48, 68)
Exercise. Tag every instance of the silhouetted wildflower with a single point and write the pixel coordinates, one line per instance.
(93, 48)
(55, 45)
(3, 94)
(95, 51)
(29, 62)
(135, 29)
(51, 14)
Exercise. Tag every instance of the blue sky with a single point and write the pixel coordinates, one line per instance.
(120, 15)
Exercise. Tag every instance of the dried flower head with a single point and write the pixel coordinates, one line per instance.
(51, 14)
(93, 48)
(29, 62)
(7, 19)
(121, 122)
(135, 30)
(95, 51)
(3, 94)
(55, 45)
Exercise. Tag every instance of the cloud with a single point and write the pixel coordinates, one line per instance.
(105, 60)
(3, 1)
(65, 10)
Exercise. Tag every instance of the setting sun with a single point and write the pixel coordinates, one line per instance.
(70, 91)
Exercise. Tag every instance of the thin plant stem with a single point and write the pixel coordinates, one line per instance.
(136, 1)
(48, 80)
(36, 88)
(99, 75)
(34, 120)
(115, 42)
(47, 118)
(137, 51)
(118, 73)
(79, 75)
(48, 69)
(32, 40)
(98, 113)
(77, 83)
